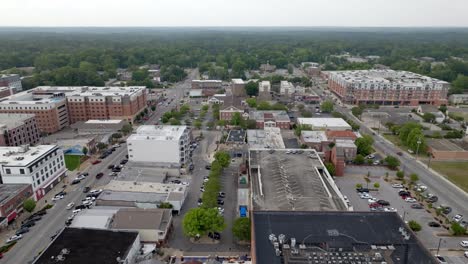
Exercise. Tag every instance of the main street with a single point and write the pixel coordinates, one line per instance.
(38, 238)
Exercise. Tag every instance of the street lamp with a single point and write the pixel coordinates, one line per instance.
(417, 149)
(438, 247)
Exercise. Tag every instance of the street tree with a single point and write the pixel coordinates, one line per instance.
(252, 102)
(392, 162)
(85, 150)
(251, 88)
(223, 158)
(457, 229)
(241, 228)
(414, 177)
(127, 129)
(356, 111)
(101, 145)
(415, 226)
(200, 221)
(429, 117)
(236, 119)
(364, 145)
(327, 107)
(29, 205)
(197, 124)
(359, 159)
(400, 175)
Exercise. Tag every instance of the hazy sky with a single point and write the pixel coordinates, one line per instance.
(419, 13)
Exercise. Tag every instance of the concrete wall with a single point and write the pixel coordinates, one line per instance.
(160, 151)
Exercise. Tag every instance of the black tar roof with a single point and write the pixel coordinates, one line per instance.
(89, 246)
(334, 230)
(236, 136)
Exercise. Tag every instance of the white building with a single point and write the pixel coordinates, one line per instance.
(286, 88)
(41, 166)
(160, 145)
(336, 124)
(264, 87)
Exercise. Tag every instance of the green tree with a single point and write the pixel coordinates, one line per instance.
(252, 102)
(300, 107)
(400, 175)
(376, 185)
(299, 128)
(85, 150)
(443, 109)
(414, 177)
(290, 69)
(359, 159)
(415, 226)
(29, 205)
(200, 221)
(101, 146)
(117, 136)
(356, 111)
(406, 129)
(330, 168)
(364, 145)
(251, 88)
(236, 119)
(264, 106)
(174, 122)
(223, 158)
(127, 129)
(205, 108)
(392, 162)
(429, 117)
(165, 205)
(327, 106)
(197, 124)
(457, 229)
(241, 228)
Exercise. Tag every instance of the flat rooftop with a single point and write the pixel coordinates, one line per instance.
(159, 132)
(23, 155)
(103, 121)
(276, 115)
(269, 137)
(89, 246)
(97, 217)
(237, 81)
(314, 136)
(323, 122)
(331, 237)
(14, 120)
(129, 199)
(143, 187)
(144, 173)
(137, 218)
(9, 191)
(290, 182)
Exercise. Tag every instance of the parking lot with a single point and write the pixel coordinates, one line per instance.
(429, 236)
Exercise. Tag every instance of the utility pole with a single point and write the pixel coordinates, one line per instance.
(438, 247)
(417, 149)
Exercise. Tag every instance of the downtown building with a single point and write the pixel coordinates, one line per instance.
(18, 129)
(160, 145)
(12, 81)
(57, 107)
(43, 167)
(387, 87)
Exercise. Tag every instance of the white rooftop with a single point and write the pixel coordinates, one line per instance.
(323, 122)
(269, 137)
(94, 218)
(215, 81)
(314, 136)
(107, 121)
(143, 187)
(23, 155)
(13, 120)
(237, 81)
(345, 143)
(158, 132)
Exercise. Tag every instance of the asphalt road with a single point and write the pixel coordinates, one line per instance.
(39, 235)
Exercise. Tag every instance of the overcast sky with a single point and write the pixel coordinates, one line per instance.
(159, 13)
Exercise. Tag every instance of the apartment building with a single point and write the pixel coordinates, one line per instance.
(160, 145)
(458, 99)
(387, 87)
(18, 129)
(271, 119)
(208, 87)
(50, 111)
(12, 81)
(57, 107)
(238, 87)
(41, 166)
(264, 87)
(286, 88)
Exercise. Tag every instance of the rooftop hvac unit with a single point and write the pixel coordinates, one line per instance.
(60, 258)
(65, 251)
(272, 238)
(293, 242)
(278, 252)
(281, 239)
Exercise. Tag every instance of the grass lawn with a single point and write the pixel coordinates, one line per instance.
(454, 171)
(393, 138)
(72, 161)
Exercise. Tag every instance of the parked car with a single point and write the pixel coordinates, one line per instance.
(399, 153)
(457, 218)
(70, 205)
(464, 243)
(441, 259)
(14, 238)
(80, 177)
(383, 202)
(208, 167)
(40, 212)
(417, 206)
(86, 189)
(68, 222)
(57, 197)
(465, 254)
(433, 224)
(374, 205)
(221, 195)
(214, 235)
(362, 190)
(446, 209)
(220, 202)
(397, 185)
(371, 200)
(124, 161)
(87, 203)
(99, 175)
(365, 196)
(404, 193)
(389, 209)
(28, 224)
(96, 191)
(116, 169)
(79, 207)
(410, 200)
(22, 230)
(94, 162)
(110, 166)
(75, 181)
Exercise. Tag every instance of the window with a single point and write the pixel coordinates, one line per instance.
(38, 182)
(8, 171)
(21, 171)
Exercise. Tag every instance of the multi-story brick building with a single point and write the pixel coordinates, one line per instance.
(6, 91)
(271, 119)
(228, 112)
(387, 87)
(11, 80)
(18, 129)
(57, 107)
(41, 166)
(238, 87)
(11, 199)
(208, 87)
